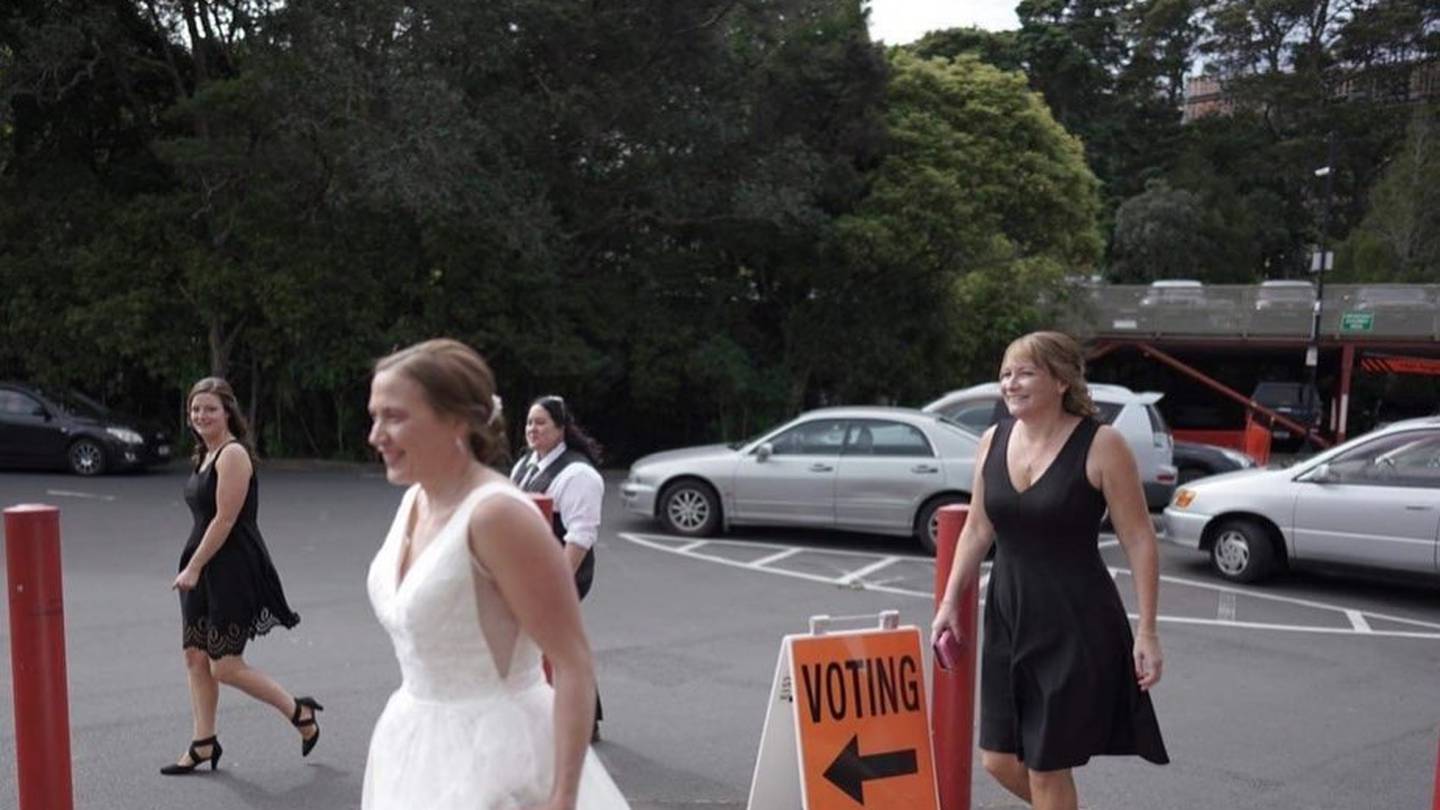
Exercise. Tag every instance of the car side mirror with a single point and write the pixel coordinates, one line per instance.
(764, 451)
(41, 412)
(1320, 475)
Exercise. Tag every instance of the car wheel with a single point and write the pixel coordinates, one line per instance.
(1242, 551)
(86, 457)
(927, 522)
(690, 508)
(1188, 474)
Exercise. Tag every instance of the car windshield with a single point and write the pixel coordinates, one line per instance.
(77, 404)
(1276, 394)
(945, 420)
(1287, 294)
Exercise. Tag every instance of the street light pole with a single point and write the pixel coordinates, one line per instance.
(1319, 264)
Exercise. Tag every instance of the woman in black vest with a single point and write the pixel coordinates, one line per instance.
(561, 462)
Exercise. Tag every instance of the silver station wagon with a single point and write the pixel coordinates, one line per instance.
(1372, 502)
(869, 469)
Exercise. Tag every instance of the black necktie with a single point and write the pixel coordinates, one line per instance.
(530, 470)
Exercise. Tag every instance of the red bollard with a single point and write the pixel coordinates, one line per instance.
(1435, 804)
(952, 723)
(37, 657)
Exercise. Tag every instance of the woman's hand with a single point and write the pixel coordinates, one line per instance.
(1149, 661)
(187, 579)
(946, 618)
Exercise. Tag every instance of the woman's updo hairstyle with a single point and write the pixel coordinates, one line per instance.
(1060, 355)
(458, 383)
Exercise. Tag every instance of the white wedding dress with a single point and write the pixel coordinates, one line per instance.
(471, 725)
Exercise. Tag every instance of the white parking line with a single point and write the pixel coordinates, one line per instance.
(861, 573)
(1226, 609)
(642, 540)
(66, 493)
(773, 558)
(693, 546)
(1359, 620)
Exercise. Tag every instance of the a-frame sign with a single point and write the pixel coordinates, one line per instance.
(847, 726)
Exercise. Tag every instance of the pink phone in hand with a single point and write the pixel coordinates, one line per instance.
(947, 650)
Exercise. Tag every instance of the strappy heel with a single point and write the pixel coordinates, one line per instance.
(307, 743)
(195, 759)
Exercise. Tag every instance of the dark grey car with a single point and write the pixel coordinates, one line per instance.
(66, 430)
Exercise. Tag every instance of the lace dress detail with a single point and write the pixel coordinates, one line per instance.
(472, 723)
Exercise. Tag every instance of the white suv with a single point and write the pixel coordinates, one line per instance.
(1133, 414)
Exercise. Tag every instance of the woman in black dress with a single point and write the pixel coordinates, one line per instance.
(229, 591)
(1062, 678)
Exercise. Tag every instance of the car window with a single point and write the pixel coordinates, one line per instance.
(77, 404)
(976, 414)
(1417, 463)
(881, 438)
(14, 403)
(1107, 412)
(822, 437)
(1157, 422)
(1409, 459)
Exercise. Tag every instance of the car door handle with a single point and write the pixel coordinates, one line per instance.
(821, 468)
(1417, 508)
(924, 468)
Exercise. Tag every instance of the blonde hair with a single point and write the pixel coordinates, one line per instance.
(457, 382)
(1060, 355)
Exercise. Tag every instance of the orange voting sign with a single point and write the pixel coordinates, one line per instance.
(849, 718)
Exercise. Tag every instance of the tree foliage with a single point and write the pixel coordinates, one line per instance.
(688, 218)
(981, 186)
(1290, 74)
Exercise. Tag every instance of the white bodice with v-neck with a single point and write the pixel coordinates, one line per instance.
(471, 725)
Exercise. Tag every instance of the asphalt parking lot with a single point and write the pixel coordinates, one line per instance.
(1314, 691)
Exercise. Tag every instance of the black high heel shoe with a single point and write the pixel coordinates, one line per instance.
(195, 759)
(307, 743)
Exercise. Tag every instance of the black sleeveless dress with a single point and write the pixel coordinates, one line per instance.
(1057, 678)
(238, 596)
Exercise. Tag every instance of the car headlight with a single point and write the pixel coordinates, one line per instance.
(641, 478)
(1183, 498)
(1238, 457)
(125, 435)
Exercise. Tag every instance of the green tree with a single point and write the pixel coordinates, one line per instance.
(1158, 234)
(981, 185)
(1399, 238)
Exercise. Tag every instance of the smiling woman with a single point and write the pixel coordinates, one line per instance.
(472, 587)
(1062, 676)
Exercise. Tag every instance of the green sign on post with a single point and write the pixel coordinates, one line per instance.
(1357, 321)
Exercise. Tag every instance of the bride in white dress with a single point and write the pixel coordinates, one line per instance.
(472, 587)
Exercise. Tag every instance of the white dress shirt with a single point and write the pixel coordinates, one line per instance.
(578, 492)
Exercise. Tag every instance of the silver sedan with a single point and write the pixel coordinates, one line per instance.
(1372, 502)
(870, 469)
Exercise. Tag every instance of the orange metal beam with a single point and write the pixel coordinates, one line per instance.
(1308, 432)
